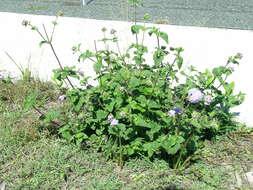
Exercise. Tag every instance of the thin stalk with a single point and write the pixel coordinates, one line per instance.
(51, 38)
(104, 40)
(178, 160)
(117, 44)
(143, 35)
(12, 59)
(215, 78)
(158, 41)
(100, 81)
(223, 82)
(58, 60)
(91, 59)
(135, 22)
(41, 35)
(136, 39)
(95, 45)
(185, 162)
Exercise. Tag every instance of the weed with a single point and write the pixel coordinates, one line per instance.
(36, 160)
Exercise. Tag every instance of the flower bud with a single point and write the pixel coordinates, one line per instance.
(113, 31)
(25, 23)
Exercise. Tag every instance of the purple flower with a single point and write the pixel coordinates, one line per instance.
(114, 122)
(208, 99)
(195, 95)
(172, 113)
(177, 110)
(62, 97)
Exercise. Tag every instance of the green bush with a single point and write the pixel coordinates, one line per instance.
(142, 109)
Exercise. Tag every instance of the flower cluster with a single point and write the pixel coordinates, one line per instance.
(174, 112)
(112, 120)
(195, 96)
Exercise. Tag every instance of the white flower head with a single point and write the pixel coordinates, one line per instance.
(172, 113)
(195, 95)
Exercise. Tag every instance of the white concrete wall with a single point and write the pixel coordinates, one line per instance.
(204, 47)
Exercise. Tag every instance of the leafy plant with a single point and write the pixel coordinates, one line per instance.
(142, 108)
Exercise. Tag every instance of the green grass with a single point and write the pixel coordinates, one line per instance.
(34, 159)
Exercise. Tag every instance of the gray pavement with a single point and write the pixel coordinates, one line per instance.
(235, 14)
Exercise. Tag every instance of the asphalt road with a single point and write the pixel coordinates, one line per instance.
(235, 14)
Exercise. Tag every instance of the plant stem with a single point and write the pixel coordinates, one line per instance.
(143, 35)
(95, 45)
(158, 42)
(57, 58)
(55, 22)
(19, 67)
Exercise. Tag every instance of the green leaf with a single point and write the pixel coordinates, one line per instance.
(229, 87)
(97, 66)
(85, 55)
(158, 56)
(99, 132)
(164, 36)
(30, 102)
(146, 90)
(195, 123)
(151, 148)
(136, 106)
(146, 17)
(101, 114)
(81, 136)
(65, 132)
(153, 104)
(109, 107)
(43, 42)
(155, 128)
(135, 29)
(172, 144)
(134, 82)
(50, 116)
(142, 99)
(179, 62)
(140, 121)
